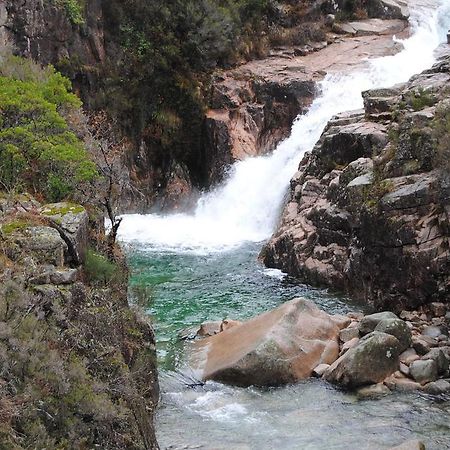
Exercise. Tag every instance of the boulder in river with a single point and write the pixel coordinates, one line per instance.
(278, 347)
(370, 362)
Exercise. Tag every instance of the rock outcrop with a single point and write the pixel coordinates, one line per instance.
(368, 211)
(78, 364)
(377, 353)
(278, 347)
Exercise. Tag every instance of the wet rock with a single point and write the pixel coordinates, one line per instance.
(370, 362)
(209, 328)
(410, 445)
(424, 371)
(374, 390)
(370, 322)
(278, 347)
(397, 328)
(388, 9)
(402, 384)
(348, 334)
(437, 387)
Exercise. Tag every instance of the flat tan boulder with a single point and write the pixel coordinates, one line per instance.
(278, 347)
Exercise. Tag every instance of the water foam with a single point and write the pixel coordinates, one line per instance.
(246, 207)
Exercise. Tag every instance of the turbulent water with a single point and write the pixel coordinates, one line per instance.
(204, 266)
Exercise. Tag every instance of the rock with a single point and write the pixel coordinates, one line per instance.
(348, 334)
(320, 370)
(388, 9)
(410, 445)
(72, 222)
(402, 384)
(436, 354)
(420, 345)
(278, 347)
(404, 369)
(228, 323)
(397, 328)
(424, 371)
(408, 356)
(341, 321)
(370, 322)
(42, 244)
(370, 362)
(437, 387)
(438, 309)
(374, 390)
(348, 345)
(209, 328)
(431, 331)
(66, 276)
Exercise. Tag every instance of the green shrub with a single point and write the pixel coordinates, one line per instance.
(441, 134)
(73, 8)
(98, 268)
(38, 151)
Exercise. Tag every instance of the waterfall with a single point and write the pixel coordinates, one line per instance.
(246, 206)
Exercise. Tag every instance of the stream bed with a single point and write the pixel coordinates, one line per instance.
(188, 268)
(186, 289)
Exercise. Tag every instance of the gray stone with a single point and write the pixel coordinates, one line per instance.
(370, 362)
(436, 354)
(348, 334)
(437, 387)
(67, 276)
(424, 371)
(438, 309)
(369, 323)
(73, 221)
(420, 346)
(397, 328)
(432, 331)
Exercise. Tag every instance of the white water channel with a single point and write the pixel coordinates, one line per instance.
(247, 205)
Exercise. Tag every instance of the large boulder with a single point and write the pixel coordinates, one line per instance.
(397, 328)
(370, 362)
(278, 347)
(370, 322)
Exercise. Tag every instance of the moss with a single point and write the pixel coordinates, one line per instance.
(421, 99)
(16, 225)
(63, 210)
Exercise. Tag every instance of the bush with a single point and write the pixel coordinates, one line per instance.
(441, 134)
(98, 268)
(38, 151)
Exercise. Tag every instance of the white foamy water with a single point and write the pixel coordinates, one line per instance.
(246, 206)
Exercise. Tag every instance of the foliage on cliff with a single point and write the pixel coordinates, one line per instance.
(38, 151)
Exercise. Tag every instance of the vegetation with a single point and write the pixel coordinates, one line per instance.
(38, 151)
(441, 131)
(99, 269)
(73, 8)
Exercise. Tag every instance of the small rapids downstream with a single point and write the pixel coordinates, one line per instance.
(203, 266)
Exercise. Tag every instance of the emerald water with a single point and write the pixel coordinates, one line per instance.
(188, 268)
(186, 289)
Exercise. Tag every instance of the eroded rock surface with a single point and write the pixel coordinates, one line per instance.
(278, 347)
(368, 211)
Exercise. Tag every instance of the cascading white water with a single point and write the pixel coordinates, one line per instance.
(246, 206)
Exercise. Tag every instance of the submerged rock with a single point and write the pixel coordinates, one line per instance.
(281, 346)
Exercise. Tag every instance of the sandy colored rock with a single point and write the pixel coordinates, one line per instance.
(277, 347)
(374, 390)
(348, 334)
(410, 445)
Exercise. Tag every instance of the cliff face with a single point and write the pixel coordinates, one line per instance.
(78, 364)
(369, 207)
(208, 124)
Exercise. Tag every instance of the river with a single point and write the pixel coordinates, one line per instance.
(187, 268)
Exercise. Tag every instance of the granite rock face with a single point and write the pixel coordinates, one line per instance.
(368, 211)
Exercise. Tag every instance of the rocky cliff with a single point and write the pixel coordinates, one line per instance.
(368, 211)
(180, 127)
(78, 364)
